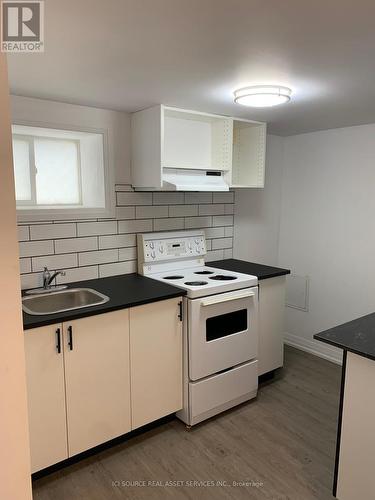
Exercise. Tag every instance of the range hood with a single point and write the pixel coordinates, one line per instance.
(178, 179)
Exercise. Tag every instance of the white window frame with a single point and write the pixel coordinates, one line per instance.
(74, 212)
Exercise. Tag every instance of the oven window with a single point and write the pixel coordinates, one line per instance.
(226, 324)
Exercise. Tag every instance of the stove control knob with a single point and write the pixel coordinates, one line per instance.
(153, 255)
(161, 249)
(152, 244)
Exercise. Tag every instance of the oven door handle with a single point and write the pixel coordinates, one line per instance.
(218, 300)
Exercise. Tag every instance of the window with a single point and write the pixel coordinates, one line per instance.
(60, 171)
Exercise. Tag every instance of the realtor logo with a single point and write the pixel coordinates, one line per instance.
(22, 26)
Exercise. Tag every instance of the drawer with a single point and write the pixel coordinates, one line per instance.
(224, 389)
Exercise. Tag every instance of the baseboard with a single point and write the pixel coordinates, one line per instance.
(314, 347)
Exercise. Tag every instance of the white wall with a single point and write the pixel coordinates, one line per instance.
(15, 481)
(257, 218)
(326, 233)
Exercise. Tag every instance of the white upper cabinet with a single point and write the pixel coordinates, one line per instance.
(182, 150)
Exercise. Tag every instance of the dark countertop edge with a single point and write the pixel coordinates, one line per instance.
(344, 347)
(282, 272)
(80, 313)
(262, 271)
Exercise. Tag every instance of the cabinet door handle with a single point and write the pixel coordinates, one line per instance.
(180, 316)
(58, 340)
(70, 337)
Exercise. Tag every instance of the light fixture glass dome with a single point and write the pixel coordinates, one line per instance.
(262, 96)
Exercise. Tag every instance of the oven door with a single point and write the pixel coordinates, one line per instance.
(222, 331)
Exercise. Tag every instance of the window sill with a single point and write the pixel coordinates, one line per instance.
(51, 214)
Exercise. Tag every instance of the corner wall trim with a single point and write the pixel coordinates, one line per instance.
(313, 347)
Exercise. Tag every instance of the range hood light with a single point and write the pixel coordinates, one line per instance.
(262, 96)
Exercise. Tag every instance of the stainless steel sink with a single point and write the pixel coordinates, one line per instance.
(65, 300)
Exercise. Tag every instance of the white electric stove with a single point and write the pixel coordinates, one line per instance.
(220, 327)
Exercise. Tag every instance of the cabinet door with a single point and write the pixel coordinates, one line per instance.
(46, 396)
(271, 323)
(156, 361)
(96, 351)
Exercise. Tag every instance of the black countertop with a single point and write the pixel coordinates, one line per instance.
(241, 266)
(357, 336)
(124, 291)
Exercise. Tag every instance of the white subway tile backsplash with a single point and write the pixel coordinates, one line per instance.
(117, 241)
(197, 222)
(117, 268)
(227, 197)
(52, 231)
(198, 198)
(134, 226)
(54, 262)
(23, 233)
(34, 248)
(183, 210)
(133, 199)
(98, 257)
(228, 231)
(127, 253)
(169, 224)
(125, 213)
(228, 253)
(223, 220)
(25, 266)
(211, 210)
(88, 249)
(71, 245)
(214, 255)
(33, 280)
(215, 232)
(222, 243)
(79, 274)
(96, 228)
(151, 212)
(168, 198)
(31, 223)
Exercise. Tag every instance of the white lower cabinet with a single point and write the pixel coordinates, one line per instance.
(46, 396)
(96, 351)
(78, 378)
(156, 361)
(271, 323)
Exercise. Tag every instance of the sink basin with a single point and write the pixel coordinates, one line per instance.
(65, 300)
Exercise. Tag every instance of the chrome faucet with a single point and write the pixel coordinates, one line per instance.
(48, 278)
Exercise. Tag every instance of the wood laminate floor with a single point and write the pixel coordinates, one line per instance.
(280, 446)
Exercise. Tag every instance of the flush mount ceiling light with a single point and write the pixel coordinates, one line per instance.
(262, 96)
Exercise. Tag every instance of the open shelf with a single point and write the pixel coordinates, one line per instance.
(248, 160)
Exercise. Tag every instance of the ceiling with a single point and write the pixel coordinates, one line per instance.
(131, 54)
